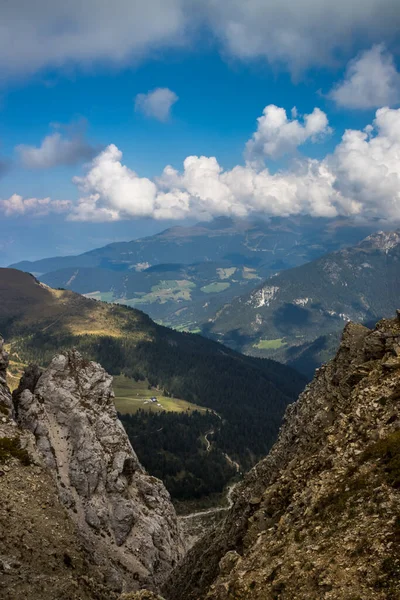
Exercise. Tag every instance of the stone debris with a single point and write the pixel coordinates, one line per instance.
(318, 519)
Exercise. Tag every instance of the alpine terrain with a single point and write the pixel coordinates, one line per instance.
(183, 275)
(237, 401)
(296, 316)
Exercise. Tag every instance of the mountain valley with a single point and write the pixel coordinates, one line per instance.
(318, 515)
(184, 275)
(245, 397)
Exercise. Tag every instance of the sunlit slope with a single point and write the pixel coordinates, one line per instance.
(249, 393)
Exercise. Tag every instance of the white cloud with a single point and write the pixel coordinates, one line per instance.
(366, 165)
(371, 80)
(277, 135)
(297, 35)
(113, 188)
(156, 104)
(57, 150)
(16, 205)
(361, 177)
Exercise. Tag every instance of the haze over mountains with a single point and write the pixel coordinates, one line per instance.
(182, 276)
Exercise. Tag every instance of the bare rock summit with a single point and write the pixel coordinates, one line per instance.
(125, 514)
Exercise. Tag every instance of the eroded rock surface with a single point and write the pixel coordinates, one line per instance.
(319, 517)
(41, 549)
(126, 515)
(5, 396)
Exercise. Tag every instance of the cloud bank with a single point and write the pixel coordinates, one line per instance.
(277, 135)
(371, 80)
(156, 104)
(16, 206)
(361, 177)
(297, 35)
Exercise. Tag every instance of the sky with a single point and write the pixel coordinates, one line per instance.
(120, 119)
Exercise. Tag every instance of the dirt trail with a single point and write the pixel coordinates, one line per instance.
(215, 509)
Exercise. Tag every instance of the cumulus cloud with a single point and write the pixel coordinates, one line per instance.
(371, 80)
(16, 206)
(35, 35)
(156, 104)
(56, 150)
(361, 177)
(277, 135)
(114, 189)
(366, 165)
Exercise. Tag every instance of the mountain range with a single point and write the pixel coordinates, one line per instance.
(300, 312)
(80, 518)
(184, 275)
(248, 394)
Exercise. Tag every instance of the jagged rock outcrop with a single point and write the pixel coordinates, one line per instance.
(41, 550)
(125, 514)
(319, 517)
(5, 396)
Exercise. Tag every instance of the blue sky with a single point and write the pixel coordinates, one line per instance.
(221, 86)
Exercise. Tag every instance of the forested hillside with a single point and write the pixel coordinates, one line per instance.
(182, 276)
(296, 316)
(249, 394)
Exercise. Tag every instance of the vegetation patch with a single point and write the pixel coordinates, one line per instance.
(11, 448)
(250, 273)
(188, 327)
(270, 344)
(176, 453)
(226, 273)
(166, 291)
(214, 288)
(336, 502)
(131, 396)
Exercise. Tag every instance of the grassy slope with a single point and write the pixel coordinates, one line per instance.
(250, 394)
(130, 396)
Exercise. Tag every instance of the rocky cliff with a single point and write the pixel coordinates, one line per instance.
(319, 517)
(76, 503)
(5, 396)
(41, 550)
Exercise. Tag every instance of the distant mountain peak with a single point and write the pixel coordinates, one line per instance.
(382, 240)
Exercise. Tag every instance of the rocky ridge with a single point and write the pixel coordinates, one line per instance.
(319, 517)
(76, 490)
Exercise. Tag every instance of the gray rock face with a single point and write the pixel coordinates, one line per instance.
(318, 517)
(69, 408)
(5, 396)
